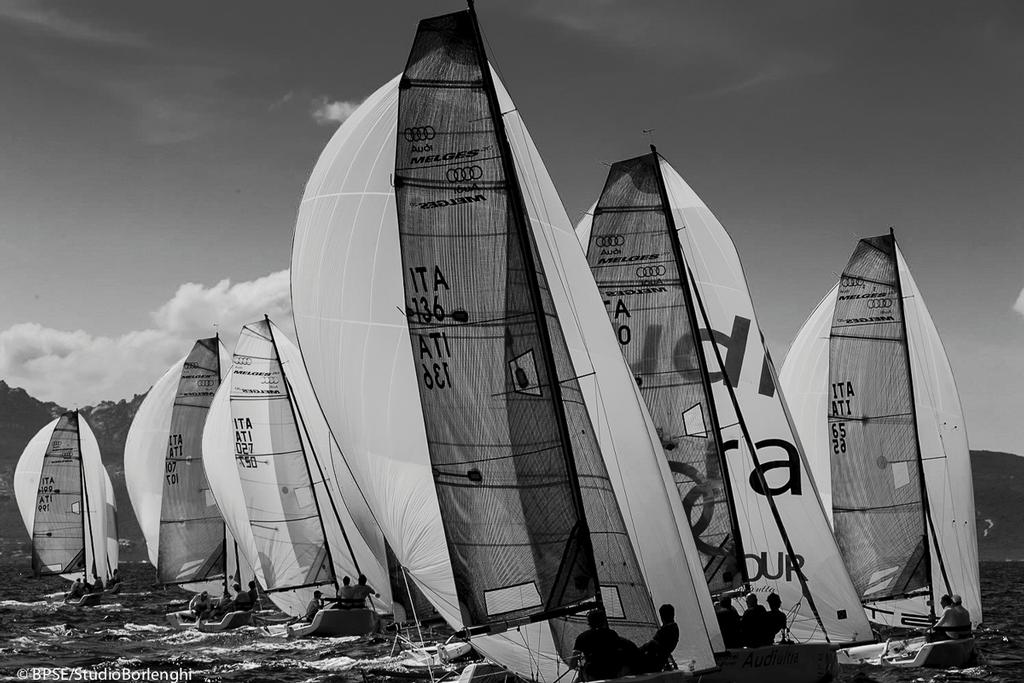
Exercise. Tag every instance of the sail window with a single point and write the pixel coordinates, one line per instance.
(512, 598)
(693, 421)
(612, 603)
(524, 374)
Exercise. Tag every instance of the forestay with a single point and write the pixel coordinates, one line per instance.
(940, 433)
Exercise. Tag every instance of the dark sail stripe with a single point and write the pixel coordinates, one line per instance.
(633, 260)
(876, 473)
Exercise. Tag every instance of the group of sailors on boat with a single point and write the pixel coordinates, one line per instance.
(348, 597)
(203, 608)
(80, 589)
(757, 627)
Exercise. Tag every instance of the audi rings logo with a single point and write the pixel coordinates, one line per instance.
(419, 133)
(879, 303)
(609, 240)
(650, 271)
(463, 174)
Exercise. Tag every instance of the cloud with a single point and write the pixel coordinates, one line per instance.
(78, 368)
(327, 113)
(29, 14)
(1019, 305)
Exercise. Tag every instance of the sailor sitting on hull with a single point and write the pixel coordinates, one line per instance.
(600, 653)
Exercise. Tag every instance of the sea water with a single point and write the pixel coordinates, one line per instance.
(128, 631)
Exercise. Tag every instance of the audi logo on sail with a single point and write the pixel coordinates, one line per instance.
(609, 240)
(419, 133)
(650, 271)
(879, 303)
(462, 174)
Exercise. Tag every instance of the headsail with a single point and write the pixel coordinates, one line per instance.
(62, 494)
(866, 332)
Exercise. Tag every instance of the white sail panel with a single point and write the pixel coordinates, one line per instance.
(356, 548)
(269, 454)
(947, 457)
(110, 512)
(712, 258)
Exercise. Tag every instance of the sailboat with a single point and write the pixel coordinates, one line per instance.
(64, 496)
(276, 475)
(186, 538)
(441, 298)
(874, 397)
(640, 240)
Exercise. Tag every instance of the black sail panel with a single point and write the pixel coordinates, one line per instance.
(876, 474)
(191, 526)
(516, 534)
(632, 258)
(58, 531)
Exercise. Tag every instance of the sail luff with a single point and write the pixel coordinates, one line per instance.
(690, 295)
(87, 532)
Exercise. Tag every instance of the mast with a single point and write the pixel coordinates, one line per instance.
(581, 532)
(312, 488)
(323, 478)
(776, 516)
(220, 379)
(691, 314)
(925, 507)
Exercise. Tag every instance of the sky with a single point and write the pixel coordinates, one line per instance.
(153, 155)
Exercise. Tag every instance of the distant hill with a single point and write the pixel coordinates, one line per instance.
(999, 504)
(998, 477)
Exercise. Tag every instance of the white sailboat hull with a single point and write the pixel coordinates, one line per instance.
(914, 652)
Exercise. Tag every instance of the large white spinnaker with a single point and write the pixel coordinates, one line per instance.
(61, 488)
(941, 433)
(270, 455)
(186, 539)
(347, 297)
(717, 273)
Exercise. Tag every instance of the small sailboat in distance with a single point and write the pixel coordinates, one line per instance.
(62, 491)
(186, 538)
(275, 472)
(873, 394)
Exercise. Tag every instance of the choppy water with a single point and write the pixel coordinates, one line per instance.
(129, 631)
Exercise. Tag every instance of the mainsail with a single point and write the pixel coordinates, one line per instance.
(875, 400)
(273, 472)
(63, 496)
(632, 253)
(185, 534)
(787, 543)
(347, 282)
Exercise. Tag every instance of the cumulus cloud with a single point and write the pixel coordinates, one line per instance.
(1019, 306)
(77, 367)
(326, 112)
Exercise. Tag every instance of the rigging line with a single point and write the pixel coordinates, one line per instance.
(323, 479)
